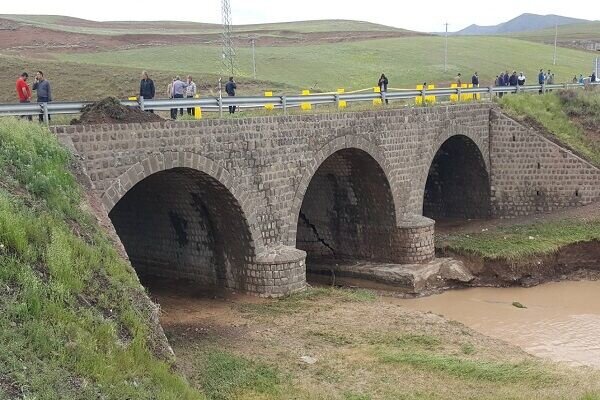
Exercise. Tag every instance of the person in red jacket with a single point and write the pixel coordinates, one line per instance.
(23, 90)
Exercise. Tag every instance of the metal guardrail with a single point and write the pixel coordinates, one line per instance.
(218, 104)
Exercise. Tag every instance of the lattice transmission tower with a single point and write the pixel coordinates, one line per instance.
(228, 50)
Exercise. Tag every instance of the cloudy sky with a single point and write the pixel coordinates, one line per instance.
(420, 15)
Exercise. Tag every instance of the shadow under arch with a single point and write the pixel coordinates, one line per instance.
(349, 143)
(184, 223)
(348, 209)
(458, 182)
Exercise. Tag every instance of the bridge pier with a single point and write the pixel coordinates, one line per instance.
(277, 271)
(415, 240)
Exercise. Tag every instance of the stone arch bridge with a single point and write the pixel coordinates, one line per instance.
(240, 203)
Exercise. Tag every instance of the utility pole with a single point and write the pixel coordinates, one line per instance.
(228, 51)
(555, 42)
(253, 40)
(446, 51)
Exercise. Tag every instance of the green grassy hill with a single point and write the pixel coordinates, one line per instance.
(75, 323)
(357, 65)
(566, 33)
(72, 81)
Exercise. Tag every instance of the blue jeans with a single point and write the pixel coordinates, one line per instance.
(174, 110)
(43, 100)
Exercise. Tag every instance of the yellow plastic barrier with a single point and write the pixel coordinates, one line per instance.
(454, 97)
(463, 96)
(198, 110)
(430, 99)
(419, 99)
(269, 106)
(377, 102)
(306, 106)
(342, 103)
(471, 97)
(132, 98)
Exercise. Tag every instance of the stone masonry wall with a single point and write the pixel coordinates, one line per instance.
(531, 174)
(267, 164)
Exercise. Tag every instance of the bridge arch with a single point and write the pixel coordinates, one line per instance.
(345, 204)
(180, 216)
(457, 181)
(342, 143)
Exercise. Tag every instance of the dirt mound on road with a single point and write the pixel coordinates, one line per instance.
(110, 111)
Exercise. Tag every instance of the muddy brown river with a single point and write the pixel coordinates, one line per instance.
(561, 321)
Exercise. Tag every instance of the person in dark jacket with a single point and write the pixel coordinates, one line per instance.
(475, 79)
(383, 85)
(500, 82)
(506, 79)
(541, 79)
(147, 89)
(513, 80)
(44, 93)
(230, 89)
(593, 77)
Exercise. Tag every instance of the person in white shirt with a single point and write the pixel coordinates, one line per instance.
(521, 79)
(190, 93)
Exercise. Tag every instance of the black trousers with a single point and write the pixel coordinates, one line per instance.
(190, 110)
(174, 110)
(232, 108)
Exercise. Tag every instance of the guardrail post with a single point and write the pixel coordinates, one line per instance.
(220, 102)
(459, 94)
(383, 98)
(141, 103)
(491, 92)
(424, 96)
(284, 104)
(45, 111)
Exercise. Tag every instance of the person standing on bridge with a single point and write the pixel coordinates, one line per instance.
(44, 93)
(475, 79)
(459, 80)
(190, 93)
(230, 89)
(541, 80)
(521, 79)
(24, 91)
(514, 79)
(383, 85)
(147, 89)
(177, 92)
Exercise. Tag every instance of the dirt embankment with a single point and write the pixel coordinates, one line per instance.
(110, 111)
(576, 261)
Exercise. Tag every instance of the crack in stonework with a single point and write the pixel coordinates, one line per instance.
(304, 218)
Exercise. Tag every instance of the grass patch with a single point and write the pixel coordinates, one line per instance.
(555, 112)
(470, 369)
(521, 241)
(223, 375)
(73, 321)
(303, 301)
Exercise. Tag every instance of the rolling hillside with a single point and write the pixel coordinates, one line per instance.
(584, 35)
(522, 23)
(357, 65)
(87, 59)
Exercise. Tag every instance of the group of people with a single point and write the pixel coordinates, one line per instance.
(179, 89)
(581, 79)
(41, 86)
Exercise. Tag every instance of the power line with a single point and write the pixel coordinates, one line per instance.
(555, 42)
(446, 51)
(228, 50)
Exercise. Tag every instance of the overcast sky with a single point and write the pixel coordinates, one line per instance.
(421, 15)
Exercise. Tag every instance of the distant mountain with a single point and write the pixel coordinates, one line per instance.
(522, 23)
